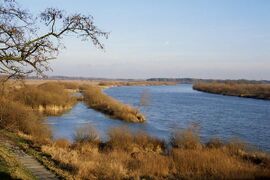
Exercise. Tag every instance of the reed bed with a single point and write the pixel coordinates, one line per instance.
(258, 91)
(50, 98)
(128, 155)
(96, 99)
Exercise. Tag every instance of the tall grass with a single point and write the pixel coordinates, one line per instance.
(259, 91)
(96, 99)
(47, 97)
(19, 102)
(86, 134)
(15, 116)
(128, 155)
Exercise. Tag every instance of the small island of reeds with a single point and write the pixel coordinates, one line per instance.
(95, 98)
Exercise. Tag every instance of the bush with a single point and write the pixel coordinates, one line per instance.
(186, 139)
(120, 137)
(149, 143)
(214, 143)
(86, 134)
(62, 143)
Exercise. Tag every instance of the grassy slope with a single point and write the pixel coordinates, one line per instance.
(10, 168)
(32, 148)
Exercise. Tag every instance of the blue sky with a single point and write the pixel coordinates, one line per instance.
(174, 38)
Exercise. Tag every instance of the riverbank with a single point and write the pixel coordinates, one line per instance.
(256, 91)
(128, 155)
(131, 154)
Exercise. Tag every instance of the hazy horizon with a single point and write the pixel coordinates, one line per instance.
(199, 39)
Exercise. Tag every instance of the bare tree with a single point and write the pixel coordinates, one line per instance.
(28, 42)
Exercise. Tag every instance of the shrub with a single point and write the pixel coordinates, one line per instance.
(62, 143)
(149, 143)
(86, 134)
(120, 137)
(214, 143)
(186, 139)
(236, 147)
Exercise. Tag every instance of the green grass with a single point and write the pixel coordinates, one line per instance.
(10, 168)
(33, 149)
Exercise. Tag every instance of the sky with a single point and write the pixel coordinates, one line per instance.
(220, 39)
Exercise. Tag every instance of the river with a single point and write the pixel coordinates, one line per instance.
(176, 107)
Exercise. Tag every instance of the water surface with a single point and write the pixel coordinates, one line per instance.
(172, 107)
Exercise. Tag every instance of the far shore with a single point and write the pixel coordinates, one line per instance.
(246, 90)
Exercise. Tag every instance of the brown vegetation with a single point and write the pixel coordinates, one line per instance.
(129, 155)
(258, 91)
(99, 101)
(126, 154)
(86, 134)
(135, 83)
(18, 105)
(15, 116)
(50, 98)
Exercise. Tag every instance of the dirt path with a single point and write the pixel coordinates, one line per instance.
(38, 170)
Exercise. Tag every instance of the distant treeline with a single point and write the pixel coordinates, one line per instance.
(258, 91)
(194, 80)
(177, 80)
(135, 83)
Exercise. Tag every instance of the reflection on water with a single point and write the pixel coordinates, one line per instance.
(172, 107)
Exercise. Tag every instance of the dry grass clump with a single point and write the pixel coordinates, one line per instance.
(62, 143)
(99, 101)
(210, 164)
(15, 116)
(259, 91)
(214, 143)
(86, 134)
(129, 157)
(122, 138)
(185, 139)
(70, 85)
(48, 97)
